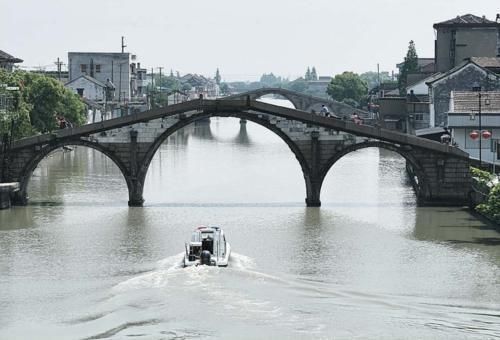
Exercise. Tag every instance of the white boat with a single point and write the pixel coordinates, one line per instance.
(208, 246)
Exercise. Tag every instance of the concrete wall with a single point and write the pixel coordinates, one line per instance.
(469, 42)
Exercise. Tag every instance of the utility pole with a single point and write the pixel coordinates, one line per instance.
(152, 87)
(59, 64)
(160, 68)
(378, 75)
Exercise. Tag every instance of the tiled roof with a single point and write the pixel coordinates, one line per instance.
(7, 57)
(438, 76)
(467, 19)
(488, 62)
(466, 102)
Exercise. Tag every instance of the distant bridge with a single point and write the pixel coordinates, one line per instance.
(303, 102)
(439, 173)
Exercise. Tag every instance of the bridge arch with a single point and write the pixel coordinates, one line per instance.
(27, 171)
(148, 157)
(420, 184)
(283, 93)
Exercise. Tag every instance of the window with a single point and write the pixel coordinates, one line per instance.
(419, 116)
(83, 68)
(97, 68)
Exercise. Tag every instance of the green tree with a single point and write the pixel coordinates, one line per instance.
(14, 110)
(307, 76)
(410, 65)
(347, 86)
(49, 98)
(39, 100)
(314, 74)
(298, 85)
(372, 78)
(270, 80)
(217, 77)
(224, 88)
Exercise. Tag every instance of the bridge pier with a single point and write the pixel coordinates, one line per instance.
(313, 179)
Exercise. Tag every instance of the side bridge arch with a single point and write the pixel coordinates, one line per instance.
(35, 156)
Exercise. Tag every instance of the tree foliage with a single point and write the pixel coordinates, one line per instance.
(311, 74)
(36, 104)
(410, 65)
(491, 208)
(372, 78)
(270, 80)
(314, 74)
(217, 77)
(347, 87)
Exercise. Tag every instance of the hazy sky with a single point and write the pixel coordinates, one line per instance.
(243, 38)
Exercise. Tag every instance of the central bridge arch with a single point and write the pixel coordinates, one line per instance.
(152, 150)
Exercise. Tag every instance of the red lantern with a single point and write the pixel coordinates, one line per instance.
(486, 134)
(474, 135)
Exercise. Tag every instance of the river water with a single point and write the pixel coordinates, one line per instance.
(78, 263)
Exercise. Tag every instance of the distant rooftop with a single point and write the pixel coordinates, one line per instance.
(487, 62)
(467, 20)
(5, 57)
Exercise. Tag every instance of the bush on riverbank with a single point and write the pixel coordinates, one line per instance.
(487, 183)
(491, 208)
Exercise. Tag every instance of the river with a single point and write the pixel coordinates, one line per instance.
(78, 263)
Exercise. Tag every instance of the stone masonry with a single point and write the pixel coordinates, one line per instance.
(439, 173)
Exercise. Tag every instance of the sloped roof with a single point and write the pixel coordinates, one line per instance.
(487, 62)
(89, 78)
(467, 101)
(467, 19)
(438, 76)
(8, 58)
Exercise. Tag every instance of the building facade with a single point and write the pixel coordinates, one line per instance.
(103, 66)
(470, 110)
(464, 37)
(461, 78)
(88, 87)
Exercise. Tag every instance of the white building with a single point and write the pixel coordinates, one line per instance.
(465, 117)
(88, 88)
(120, 68)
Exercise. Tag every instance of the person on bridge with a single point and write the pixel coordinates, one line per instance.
(324, 111)
(356, 119)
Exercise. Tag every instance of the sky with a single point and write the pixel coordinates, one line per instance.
(244, 39)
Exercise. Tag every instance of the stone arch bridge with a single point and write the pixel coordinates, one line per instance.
(439, 173)
(303, 101)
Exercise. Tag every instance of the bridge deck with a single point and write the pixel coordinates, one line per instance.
(226, 107)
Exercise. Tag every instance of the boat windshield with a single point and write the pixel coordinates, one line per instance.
(196, 237)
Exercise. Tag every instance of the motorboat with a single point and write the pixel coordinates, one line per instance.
(208, 246)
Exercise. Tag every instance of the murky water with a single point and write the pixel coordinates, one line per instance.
(77, 263)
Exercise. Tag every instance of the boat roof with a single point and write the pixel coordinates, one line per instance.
(205, 229)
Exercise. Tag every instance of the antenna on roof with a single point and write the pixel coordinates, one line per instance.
(498, 18)
(123, 43)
